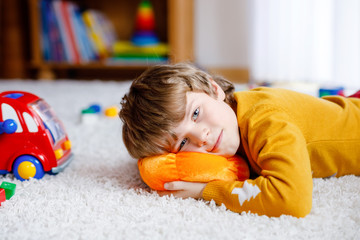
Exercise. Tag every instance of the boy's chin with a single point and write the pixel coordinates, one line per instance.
(226, 154)
(231, 151)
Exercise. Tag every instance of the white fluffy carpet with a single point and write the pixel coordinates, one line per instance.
(100, 195)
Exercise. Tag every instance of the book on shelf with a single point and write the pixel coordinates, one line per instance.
(86, 49)
(101, 32)
(64, 32)
(69, 29)
(45, 36)
(51, 42)
(68, 37)
(75, 36)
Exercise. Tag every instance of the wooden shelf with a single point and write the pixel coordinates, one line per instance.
(91, 65)
(174, 25)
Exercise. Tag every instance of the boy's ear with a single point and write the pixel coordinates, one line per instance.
(220, 94)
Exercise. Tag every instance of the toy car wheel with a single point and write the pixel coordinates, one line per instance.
(26, 167)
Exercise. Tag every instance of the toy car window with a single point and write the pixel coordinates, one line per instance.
(9, 112)
(30, 122)
(49, 119)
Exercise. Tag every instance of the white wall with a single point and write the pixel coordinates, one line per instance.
(221, 33)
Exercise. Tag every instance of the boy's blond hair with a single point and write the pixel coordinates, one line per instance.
(156, 103)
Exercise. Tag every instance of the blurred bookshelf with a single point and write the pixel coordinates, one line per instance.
(173, 28)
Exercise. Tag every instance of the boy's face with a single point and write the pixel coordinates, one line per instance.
(210, 126)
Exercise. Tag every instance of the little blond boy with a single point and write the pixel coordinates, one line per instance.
(287, 137)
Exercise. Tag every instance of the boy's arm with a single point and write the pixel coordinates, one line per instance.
(183, 189)
(277, 151)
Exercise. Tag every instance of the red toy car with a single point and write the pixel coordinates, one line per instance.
(32, 139)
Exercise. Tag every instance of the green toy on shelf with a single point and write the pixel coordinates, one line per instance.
(144, 46)
(145, 24)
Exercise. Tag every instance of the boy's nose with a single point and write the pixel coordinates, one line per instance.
(200, 136)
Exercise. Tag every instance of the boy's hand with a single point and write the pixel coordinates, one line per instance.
(183, 189)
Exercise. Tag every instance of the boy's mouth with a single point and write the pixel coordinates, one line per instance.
(216, 146)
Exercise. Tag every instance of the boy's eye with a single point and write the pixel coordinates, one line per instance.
(196, 114)
(183, 142)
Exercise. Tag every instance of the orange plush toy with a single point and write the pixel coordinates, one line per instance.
(191, 167)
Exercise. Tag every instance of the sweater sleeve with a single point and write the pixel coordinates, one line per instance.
(277, 151)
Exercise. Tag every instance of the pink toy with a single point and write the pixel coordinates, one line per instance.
(32, 139)
(2, 196)
(355, 95)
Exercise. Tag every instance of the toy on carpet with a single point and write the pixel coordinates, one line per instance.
(32, 138)
(191, 167)
(91, 114)
(328, 91)
(8, 126)
(2, 195)
(112, 111)
(355, 95)
(7, 190)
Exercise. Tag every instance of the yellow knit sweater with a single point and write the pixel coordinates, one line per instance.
(289, 138)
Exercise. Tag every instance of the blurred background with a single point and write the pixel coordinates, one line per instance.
(247, 41)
